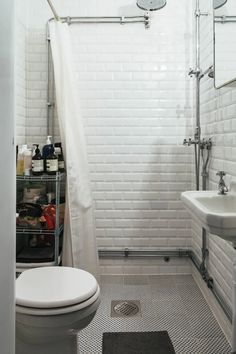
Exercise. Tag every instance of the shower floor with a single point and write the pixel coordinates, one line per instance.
(171, 303)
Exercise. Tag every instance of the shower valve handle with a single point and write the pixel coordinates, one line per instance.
(221, 174)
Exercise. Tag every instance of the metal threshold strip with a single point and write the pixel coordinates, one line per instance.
(166, 254)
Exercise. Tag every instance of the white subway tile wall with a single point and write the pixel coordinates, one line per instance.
(218, 117)
(136, 101)
(37, 66)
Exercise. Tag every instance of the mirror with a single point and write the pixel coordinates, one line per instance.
(224, 42)
(218, 3)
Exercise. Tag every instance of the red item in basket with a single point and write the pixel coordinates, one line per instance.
(49, 213)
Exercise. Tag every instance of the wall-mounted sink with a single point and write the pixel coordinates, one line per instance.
(216, 212)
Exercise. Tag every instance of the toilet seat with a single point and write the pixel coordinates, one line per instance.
(60, 310)
(55, 288)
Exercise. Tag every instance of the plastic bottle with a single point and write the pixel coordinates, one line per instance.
(37, 162)
(20, 160)
(59, 154)
(47, 148)
(27, 162)
(51, 162)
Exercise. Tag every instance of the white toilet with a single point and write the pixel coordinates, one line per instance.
(52, 305)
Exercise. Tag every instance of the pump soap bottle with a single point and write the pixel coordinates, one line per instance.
(47, 149)
(37, 162)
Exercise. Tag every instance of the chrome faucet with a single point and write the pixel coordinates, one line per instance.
(222, 189)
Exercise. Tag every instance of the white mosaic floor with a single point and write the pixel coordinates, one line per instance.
(171, 303)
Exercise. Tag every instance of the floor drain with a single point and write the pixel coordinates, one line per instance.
(125, 308)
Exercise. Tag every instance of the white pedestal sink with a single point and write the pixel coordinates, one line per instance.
(217, 214)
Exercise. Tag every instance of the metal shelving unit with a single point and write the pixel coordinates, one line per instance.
(50, 254)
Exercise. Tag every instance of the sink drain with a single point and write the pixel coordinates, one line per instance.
(125, 308)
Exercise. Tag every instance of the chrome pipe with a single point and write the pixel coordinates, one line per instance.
(197, 28)
(197, 72)
(224, 19)
(131, 253)
(50, 92)
(198, 125)
(107, 19)
(48, 84)
(196, 167)
(198, 132)
(53, 10)
(101, 17)
(217, 295)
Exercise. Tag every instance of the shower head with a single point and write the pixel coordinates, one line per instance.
(151, 5)
(218, 3)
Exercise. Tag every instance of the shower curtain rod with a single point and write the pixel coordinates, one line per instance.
(101, 19)
(53, 10)
(223, 19)
(106, 19)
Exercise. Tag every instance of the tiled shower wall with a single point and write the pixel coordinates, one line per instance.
(20, 70)
(218, 117)
(136, 100)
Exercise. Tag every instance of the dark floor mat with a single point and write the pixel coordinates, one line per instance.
(137, 343)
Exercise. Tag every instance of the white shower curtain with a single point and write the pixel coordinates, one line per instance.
(79, 248)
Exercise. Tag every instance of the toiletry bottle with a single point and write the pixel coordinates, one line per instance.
(17, 150)
(51, 162)
(47, 148)
(20, 160)
(27, 162)
(37, 162)
(59, 153)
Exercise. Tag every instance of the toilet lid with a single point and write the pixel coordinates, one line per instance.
(50, 287)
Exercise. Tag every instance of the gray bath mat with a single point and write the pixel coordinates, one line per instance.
(137, 343)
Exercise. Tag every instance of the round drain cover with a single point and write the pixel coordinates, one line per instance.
(126, 308)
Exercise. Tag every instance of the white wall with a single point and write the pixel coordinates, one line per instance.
(7, 177)
(20, 70)
(218, 119)
(136, 101)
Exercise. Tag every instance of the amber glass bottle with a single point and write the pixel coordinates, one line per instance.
(59, 153)
(51, 162)
(37, 162)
